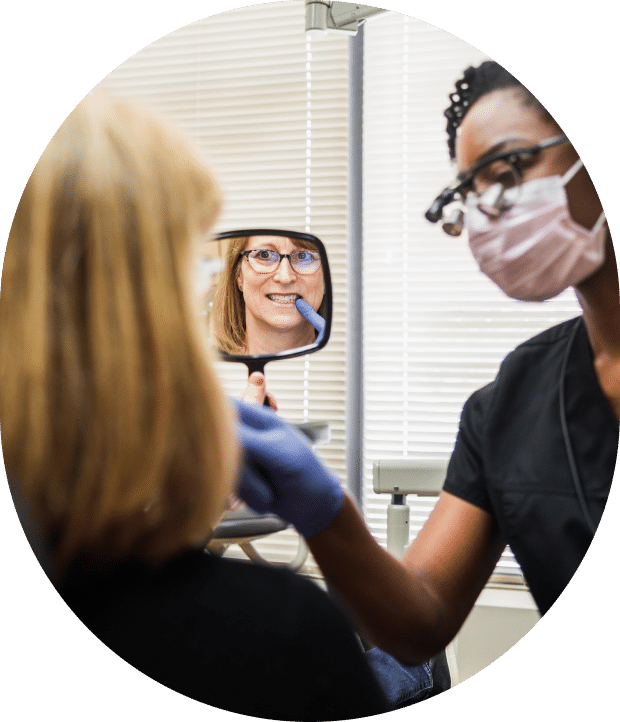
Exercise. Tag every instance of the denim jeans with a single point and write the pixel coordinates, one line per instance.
(402, 685)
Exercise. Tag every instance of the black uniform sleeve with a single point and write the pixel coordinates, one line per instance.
(465, 476)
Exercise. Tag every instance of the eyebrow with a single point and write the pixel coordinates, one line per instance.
(498, 147)
(499, 150)
(271, 246)
(267, 246)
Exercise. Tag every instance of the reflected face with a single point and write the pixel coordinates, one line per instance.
(501, 121)
(270, 297)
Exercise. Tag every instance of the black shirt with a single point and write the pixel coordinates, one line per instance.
(511, 457)
(254, 640)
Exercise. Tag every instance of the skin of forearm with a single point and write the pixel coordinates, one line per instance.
(394, 606)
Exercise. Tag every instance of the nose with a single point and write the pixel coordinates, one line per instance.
(285, 273)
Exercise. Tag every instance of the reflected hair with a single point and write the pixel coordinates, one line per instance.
(477, 82)
(114, 427)
(228, 310)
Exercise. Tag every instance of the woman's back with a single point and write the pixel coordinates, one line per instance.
(253, 640)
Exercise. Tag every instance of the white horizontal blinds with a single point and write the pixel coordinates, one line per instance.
(270, 111)
(435, 329)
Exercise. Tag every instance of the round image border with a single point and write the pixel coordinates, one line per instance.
(551, 670)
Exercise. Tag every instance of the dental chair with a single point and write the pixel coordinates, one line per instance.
(243, 526)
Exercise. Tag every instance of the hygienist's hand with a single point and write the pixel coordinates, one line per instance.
(255, 392)
(282, 475)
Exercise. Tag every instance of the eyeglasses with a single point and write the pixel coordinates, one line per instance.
(263, 260)
(496, 174)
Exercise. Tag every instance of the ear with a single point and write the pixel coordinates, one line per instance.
(240, 280)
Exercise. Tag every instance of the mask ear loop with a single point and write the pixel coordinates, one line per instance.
(572, 171)
(597, 226)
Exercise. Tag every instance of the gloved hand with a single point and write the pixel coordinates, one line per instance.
(282, 475)
(313, 318)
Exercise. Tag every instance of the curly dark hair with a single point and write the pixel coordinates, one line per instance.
(475, 83)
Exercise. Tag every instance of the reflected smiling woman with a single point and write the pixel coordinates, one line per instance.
(254, 309)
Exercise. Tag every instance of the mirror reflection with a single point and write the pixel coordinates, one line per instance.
(269, 293)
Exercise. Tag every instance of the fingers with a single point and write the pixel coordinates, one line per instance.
(256, 393)
(265, 438)
(254, 416)
(255, 390)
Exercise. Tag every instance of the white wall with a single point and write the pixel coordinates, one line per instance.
(497, 622)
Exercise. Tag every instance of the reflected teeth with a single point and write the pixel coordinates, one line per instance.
(280, 298)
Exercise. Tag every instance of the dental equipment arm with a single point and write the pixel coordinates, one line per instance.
(323, 16)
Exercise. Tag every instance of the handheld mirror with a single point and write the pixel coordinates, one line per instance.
(271, 298)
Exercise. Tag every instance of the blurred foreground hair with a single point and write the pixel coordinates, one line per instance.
(114, 428)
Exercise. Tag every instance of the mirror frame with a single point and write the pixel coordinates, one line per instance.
(257, 363)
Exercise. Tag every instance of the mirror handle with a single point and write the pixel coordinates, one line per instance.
(254, 365)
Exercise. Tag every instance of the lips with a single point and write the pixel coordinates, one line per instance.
(283, 298)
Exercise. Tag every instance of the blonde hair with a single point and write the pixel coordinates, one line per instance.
(114, 427)
(228, 310)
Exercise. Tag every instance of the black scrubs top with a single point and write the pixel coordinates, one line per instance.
(511, 459)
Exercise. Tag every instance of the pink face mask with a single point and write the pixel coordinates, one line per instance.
(535, 250)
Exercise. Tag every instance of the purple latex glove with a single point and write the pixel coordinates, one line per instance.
(281, 473)
(313, 318)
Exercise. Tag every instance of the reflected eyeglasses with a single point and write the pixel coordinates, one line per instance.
(500, 172)
(263, 260)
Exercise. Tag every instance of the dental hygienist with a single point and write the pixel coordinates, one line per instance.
(536, 449)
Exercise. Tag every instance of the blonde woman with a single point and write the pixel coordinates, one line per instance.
(120, 443)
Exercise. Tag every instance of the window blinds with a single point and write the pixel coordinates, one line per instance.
(435, 329)
(270, 111)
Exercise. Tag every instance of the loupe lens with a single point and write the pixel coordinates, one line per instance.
(453, 224)
(493, 202)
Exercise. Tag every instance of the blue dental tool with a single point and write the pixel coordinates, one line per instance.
(312, 317)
